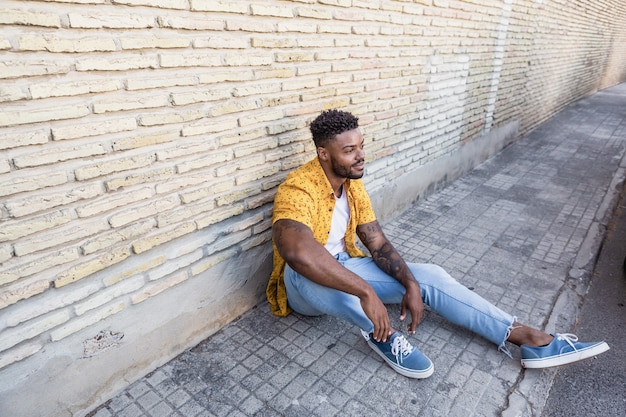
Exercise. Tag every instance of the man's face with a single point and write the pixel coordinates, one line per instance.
(346, 155)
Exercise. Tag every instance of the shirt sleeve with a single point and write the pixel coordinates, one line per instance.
(362, 204)
(294, 203)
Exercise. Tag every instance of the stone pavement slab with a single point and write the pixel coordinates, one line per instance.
(522, 230)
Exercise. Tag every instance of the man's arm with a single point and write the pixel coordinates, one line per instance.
(389, 260)
(306, 256)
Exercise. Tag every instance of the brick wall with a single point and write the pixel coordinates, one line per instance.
(141, 141)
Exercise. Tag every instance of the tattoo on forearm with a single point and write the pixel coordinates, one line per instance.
(386, 257)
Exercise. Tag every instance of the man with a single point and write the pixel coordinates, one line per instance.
(320, 209)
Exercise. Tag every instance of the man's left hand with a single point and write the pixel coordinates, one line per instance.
(412, 301)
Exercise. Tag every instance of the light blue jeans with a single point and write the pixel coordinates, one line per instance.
(442, 293)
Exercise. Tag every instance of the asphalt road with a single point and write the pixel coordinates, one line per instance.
(597, 387)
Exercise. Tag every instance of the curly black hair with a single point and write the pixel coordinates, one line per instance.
(331, 123)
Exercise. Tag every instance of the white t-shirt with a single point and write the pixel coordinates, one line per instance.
(341, 215)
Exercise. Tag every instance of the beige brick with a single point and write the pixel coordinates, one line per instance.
(165, 4)
(81, 130)
(238, 59)
(210, 261)
(180, 182)
(296, 26)
(29, 68)
(126, 63)
(213, 126)
(87, 320)
(176, 264)
(318, 93)
(145, 140)
(59, 236)
(254, 147)
(236, 74)
(215, 187)
(229, 169)
(53, 43)
(4, 166)
(247, 222)
(138, 269)
(294, 56)
(237, 195)
(12, 337)
(91, 266)
(19, 353)
(280, 100)
(58, 154)
(170, 117)
(160, 82)
(149, 242)
(112, 201)
(135, 103)
(256, 174)
(43, 90)
(219, 6)
(221, 42)
(265, 116)
(15, 229)
(239, 136)
(185, 212)
(155, 175)
(20, 137)
(117, 236)
(31, 265)
(271, 10)
(314, 68)
(29, 18)
(29, 310)
(314, 13)
(192, 97)
(249, 25)
(5, 44)
(188, 147)
(153, 42)
(256, 240)
(34, 115)
(274, 73)
(12, 93)
(218, 215)
(257, 88)
(6, 253)
(189, 60)
(203, 162)
(159, 286)
(227, 241)
(45, 201)
(23, 290)
(233, 106)
(138, 212)
(108, 294)
(105, 20)
(113, 166)
(190, 23)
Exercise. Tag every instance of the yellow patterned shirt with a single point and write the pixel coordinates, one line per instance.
(306, 196)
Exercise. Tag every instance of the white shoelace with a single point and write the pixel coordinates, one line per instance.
(400, 347)
(569, 338)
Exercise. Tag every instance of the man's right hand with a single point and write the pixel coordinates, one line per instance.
(377, 313)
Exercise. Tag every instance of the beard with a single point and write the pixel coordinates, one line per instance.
(345, 171)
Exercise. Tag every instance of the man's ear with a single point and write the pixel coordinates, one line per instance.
(322, 153)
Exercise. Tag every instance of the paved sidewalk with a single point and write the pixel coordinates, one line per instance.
(522, 229)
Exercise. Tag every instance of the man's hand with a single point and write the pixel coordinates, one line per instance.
(412, 301)
(377, 313)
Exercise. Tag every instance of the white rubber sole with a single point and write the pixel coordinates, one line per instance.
(409, 373)
(571, 357)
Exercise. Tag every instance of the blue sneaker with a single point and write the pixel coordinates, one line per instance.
(403, 358)
(564, 348)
